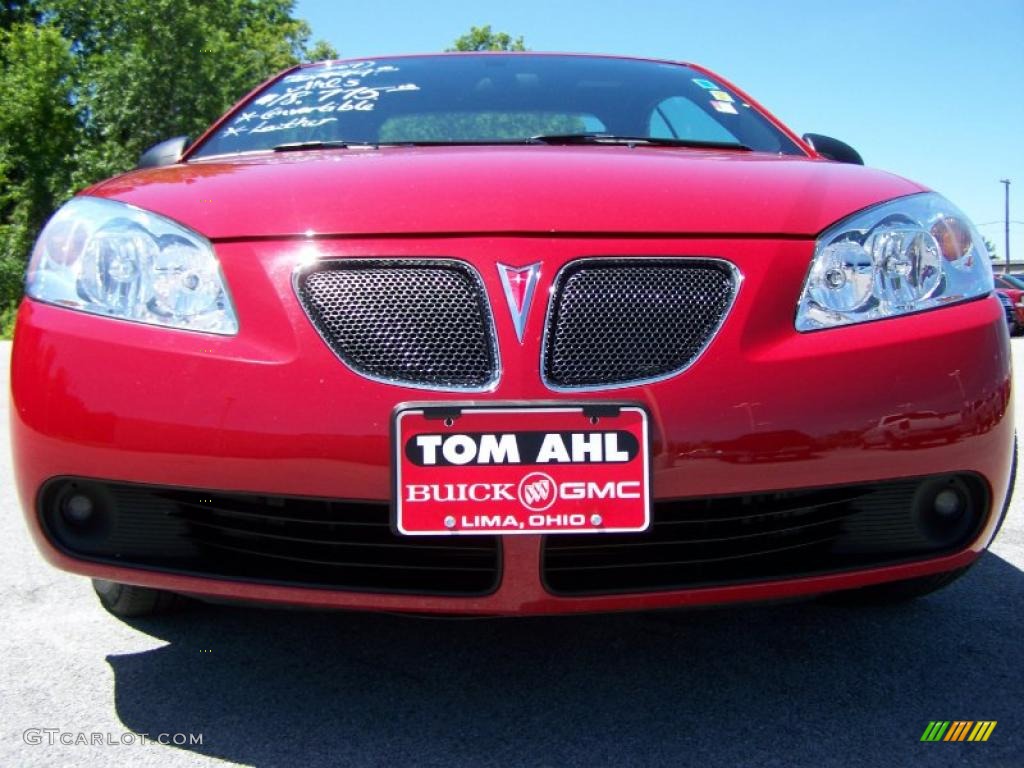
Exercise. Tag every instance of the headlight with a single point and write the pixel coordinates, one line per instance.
(113, 259)
(910, 254)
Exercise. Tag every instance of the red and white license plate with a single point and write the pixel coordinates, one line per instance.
(520, 469)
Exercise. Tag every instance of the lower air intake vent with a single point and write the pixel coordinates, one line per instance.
(285, 540)
(736, 539)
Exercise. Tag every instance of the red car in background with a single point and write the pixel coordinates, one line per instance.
(509, 334)
(1009, 309)
(1013, 287)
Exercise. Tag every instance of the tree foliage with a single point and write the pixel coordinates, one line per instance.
(13, 12)
(483, 39)
(38, 130)
(991, 248)
(87, 85)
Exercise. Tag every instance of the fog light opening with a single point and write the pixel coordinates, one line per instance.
(947, 509)
(77, 514)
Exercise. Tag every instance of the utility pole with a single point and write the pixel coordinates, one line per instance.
(1006, 221)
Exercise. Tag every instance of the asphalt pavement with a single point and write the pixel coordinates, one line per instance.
(794, 684)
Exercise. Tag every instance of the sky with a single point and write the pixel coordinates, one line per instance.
(930, 90)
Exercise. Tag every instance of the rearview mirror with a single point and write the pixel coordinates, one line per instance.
(833, 149)
(165, 153)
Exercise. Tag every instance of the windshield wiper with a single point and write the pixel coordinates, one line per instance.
(299, 146)
(608, 138)
(546, 138)
(452, 143)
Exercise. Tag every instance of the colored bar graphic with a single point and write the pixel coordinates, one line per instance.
(935, 730)
(985, 728)
(958, 730)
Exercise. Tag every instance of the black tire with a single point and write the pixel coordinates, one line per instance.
(127, 601)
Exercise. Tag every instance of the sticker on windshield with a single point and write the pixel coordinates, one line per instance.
(724, 106)
(721, 96)
(312, 98)
(707, 85)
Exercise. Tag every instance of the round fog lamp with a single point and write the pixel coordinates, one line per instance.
(948, 504)
(78, 508)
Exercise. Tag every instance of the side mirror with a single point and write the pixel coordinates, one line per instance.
(833, 149)
(165, 153)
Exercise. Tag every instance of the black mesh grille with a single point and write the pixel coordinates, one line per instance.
(735, 539)
(422, 323)
(614, 321)
(306, 542)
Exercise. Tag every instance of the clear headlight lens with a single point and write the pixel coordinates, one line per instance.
(113, 259)
(910, 254)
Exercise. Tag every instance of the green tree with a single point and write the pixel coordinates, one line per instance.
(170, 67)
(991, 247)
(14, 12)
(483, 39)
(321, 50)
(87, 85)
(38, 127)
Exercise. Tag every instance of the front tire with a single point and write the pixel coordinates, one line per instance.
(127, 601)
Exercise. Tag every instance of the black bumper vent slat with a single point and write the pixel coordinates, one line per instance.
(422, 323)
(334, 563)
(700, 560)
(301, 512)
(328, 538)
(615, 322)
(737, 539)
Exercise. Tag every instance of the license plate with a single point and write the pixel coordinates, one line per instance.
(520, 469)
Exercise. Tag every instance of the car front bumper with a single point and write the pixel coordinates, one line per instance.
(273, 412)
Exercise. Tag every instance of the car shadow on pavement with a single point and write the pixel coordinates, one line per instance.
(782, 684)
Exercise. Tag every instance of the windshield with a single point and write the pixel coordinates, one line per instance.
(487, 98)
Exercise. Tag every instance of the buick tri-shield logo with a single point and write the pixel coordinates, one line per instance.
(519, 284)
(537, 491)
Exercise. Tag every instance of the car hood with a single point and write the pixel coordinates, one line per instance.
(508, 190)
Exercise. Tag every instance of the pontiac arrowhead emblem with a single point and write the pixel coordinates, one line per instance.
(519, 284)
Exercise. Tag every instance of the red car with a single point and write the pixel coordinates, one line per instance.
(509, 334)
(1010, 309)
(1013, 286)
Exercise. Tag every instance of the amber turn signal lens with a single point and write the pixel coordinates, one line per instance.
(954, 239)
